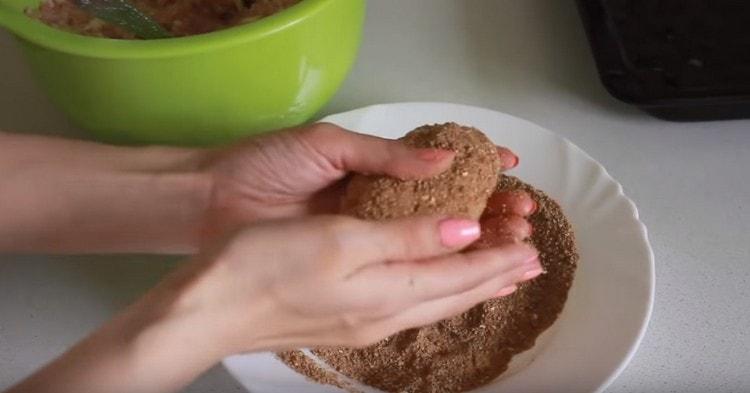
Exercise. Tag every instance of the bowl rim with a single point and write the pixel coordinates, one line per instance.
(41, 34)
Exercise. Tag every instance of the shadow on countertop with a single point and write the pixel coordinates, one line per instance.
(120, 280)
(108, 284)
(560, 55)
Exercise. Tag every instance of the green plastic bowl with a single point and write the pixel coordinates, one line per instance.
(204, 89)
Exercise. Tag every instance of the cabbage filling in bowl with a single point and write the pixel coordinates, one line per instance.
(177, 17)
(211, 88)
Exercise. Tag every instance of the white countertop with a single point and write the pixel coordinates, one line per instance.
(528, 58)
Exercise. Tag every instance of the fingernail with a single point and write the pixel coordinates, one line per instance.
(533, 262)
(509, 160)
(534, 207)
(506, 291)
(521, 254)
(458, 232)
(531, 274)
(431, 155)
(530, 256)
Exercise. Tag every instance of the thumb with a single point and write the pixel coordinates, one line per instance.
(349, 151)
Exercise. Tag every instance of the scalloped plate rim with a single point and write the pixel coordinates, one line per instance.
(358, 114)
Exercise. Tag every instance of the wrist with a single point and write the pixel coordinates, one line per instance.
(179, 189)
(172, 334)
(222, 321)
(157, 344)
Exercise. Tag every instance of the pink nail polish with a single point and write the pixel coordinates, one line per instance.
(506, 291)
(509, 161)
(458, 232)
(533, 260)
(534, 207)
(431, 155)
(531, 274)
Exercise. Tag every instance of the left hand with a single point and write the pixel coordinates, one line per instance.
(299, 171)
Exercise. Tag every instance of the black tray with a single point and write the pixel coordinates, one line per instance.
(676, 59)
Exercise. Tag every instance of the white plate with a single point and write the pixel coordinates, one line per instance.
(612, 296)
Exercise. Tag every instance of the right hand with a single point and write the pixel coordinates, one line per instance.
(306, 282)
(333, 280)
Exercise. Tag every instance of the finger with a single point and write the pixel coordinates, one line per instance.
(495, 240)
(508, 159)
(404, 283)
(501, 230)
(349, 151)
(443, 308)
(510, 224)
(411, 238)
(514, 202)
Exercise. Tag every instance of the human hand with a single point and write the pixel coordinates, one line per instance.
(300, 171)
(332, 280)
(312, 281)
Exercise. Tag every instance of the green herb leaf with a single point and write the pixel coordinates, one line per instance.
(124, 14)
